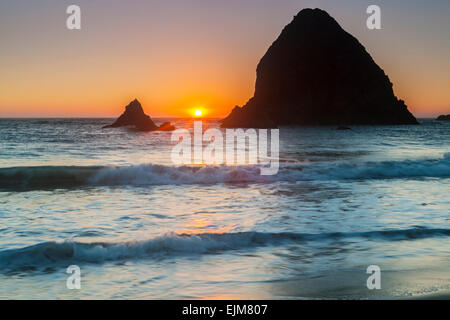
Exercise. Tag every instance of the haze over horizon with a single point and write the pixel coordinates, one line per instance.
(178, 56)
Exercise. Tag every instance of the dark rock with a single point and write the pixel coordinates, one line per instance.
(134, 116)
(443, 117)
(166, 126)
(239, 118)
(316, 73)
(343, 128)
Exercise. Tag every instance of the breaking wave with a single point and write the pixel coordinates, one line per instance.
(152, 174)
(53, 253)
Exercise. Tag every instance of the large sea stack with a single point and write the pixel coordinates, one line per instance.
(316, 73)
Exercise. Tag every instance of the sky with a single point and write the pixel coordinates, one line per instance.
(178, 55)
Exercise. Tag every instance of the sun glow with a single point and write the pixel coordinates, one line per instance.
(198, 113)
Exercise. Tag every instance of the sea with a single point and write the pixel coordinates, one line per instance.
(347, 209)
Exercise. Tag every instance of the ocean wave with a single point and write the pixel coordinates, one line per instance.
(423, 168)
(153, 174)
(53, 253)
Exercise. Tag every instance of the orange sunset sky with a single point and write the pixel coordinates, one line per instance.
(175, 56)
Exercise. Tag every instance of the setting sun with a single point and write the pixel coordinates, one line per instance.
(198, 113)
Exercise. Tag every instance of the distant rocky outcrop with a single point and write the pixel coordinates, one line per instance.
(166, 126)
(316, 73)
(443, 117)
(134, 116)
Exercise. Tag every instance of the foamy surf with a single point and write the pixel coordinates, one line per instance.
(54, 253)
(153, 174)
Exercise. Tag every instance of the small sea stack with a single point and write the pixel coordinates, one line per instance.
(166, 126)
(134, 116)
(443, 117)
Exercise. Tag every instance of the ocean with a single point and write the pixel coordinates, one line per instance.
(111, 202)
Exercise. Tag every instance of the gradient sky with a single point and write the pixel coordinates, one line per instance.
(175, 55)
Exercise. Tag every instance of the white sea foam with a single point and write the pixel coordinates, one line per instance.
(151, 174)
(172, 244)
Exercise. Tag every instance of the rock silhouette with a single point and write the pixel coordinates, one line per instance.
(134, 116)
(166, 126)
(316, 73)
(241, 117)
(443, 117)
